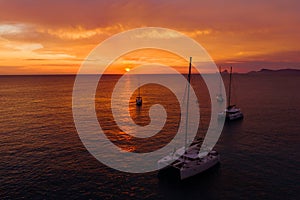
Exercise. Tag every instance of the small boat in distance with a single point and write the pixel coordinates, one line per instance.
(187, 162)
(139, 100)
(219, 96)
(232, 112)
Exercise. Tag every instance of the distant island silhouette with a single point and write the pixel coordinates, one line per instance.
(272, 71)
(268, 71)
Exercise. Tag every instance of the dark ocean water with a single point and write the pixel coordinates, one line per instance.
(42, 157)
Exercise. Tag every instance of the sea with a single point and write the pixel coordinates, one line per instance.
(43, 157)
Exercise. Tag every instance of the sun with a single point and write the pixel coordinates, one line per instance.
(127, 69)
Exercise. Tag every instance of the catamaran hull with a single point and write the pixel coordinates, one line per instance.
(232, 117)
(183, 173)
(198, 169)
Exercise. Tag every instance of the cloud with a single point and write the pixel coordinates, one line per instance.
(197, 33)
(179, 14)
(14, 50)
(25, 47)
(229, 30)
(157, 34)
(277, 56)
(79, 32)
(10, 29)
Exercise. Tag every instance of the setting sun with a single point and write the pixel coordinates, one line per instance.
(127, 69)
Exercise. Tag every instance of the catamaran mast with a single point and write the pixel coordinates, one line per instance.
(187, 104)
(229, 97)
(139, 92)
(220, 91)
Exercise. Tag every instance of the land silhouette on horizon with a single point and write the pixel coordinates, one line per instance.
(267, 71)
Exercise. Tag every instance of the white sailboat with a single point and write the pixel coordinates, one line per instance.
(139, 100)
(232, 112)
(186, 161)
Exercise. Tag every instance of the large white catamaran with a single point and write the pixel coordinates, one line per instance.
(186, 161)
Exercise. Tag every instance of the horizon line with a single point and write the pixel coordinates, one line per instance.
(118, 74)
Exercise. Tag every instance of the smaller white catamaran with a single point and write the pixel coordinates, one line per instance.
(186, 161)
(232, 112)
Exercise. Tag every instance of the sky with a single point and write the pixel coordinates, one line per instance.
(54, 37)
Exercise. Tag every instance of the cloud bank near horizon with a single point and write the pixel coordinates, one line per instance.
(55, 36)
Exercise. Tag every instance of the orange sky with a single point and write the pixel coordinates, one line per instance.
(54, 37)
